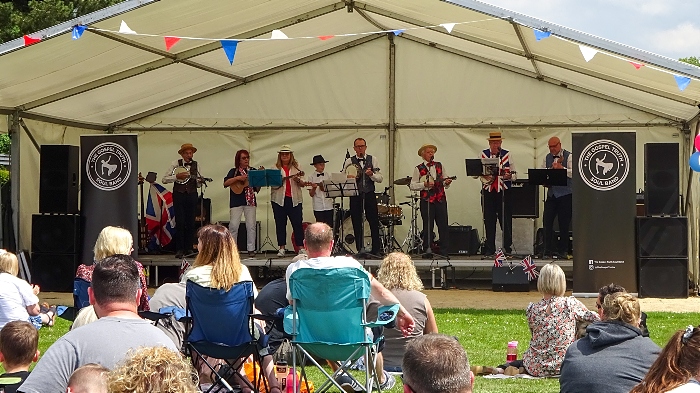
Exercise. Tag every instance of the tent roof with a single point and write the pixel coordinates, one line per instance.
(107, 80)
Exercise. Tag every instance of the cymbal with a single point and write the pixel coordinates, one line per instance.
(403, 181)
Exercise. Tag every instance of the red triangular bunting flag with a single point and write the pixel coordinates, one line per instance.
(170, 41)
(325, 37)
(636, 65)
(29, 40)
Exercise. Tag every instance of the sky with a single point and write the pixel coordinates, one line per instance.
(666, 27)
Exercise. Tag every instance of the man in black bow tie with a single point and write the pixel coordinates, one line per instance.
(323, 207)
(558, 203)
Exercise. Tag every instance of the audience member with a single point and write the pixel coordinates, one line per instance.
(398, 275)
(436, 363)
(153, 370)
(614, 288)
(114, 293)
(170, 295)
(614, 356)
(19, 342)
(88, 378)
(677, 369)
(85, 315)
(271, 298)
(18, 299)
(318, 241)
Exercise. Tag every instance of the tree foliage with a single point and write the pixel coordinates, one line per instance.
(4, 144)
(20, 17)
(691, 60)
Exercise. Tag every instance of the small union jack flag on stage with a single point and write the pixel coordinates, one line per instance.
(499, 259)
(529, 268)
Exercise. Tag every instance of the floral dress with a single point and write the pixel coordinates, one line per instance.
(553, 327)
(85, 272)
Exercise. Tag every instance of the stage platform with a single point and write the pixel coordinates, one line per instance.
(267, 261)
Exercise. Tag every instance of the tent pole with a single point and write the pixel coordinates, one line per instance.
(690, 212)
(15, 176)
(392, 114)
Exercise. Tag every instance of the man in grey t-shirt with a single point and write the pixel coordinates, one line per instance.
(115, 294)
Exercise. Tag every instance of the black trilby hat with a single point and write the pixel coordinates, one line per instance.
(318, 159)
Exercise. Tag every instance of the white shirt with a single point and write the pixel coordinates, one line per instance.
(15, 295)
(692, 386)
(319, 200)
(417, 184)
(322, 263)
(376, 177)
(170, 178)
(569, 172)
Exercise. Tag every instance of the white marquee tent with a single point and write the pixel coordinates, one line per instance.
(399, 73)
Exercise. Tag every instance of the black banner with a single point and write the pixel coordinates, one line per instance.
(604, 199)
(108, 187)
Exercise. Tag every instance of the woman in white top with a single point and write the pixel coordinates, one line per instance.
(18, 299)
(286, 200)
(677, 369)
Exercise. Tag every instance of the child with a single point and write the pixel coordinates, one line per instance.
(323, 207)
(88, 378)
(18, 299)
(19, 341)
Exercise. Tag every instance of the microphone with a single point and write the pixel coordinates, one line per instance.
(207, 179)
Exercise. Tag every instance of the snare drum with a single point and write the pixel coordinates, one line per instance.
(395, 212)
(383, 209)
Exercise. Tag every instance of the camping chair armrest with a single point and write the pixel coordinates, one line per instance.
(385, 315)
(153, 316)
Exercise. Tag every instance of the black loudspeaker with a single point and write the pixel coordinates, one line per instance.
(59, 171)
(242, 241)
(661, 179)
(56, 233)
(663, 277)
(503, 279)
(54, 272)
(525, 199)
(662, 237)
(459, 240)
(204, 216)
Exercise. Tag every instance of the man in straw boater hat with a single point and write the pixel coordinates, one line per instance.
(430, 178)
(185, 173)
(496, 195)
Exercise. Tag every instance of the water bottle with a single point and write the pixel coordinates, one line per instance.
(281, 370)
(292, 381)
(512, 353)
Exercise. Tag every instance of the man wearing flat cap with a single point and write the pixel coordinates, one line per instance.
(496, 193)
(185, 174)
(430, 178)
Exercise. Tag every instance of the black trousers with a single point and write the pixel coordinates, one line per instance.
(325, 216)
(557, 207)
(498, 205)
(372, 216)
(295, 217)
(185, 208)
(435, 213)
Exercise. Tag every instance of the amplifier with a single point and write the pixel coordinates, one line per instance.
(505, 279)
(459, 240)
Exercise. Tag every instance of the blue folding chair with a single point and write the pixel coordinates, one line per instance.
(80, 294)
(327, 319)
(220, 325)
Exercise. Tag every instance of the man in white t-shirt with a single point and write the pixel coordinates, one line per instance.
(318, 240)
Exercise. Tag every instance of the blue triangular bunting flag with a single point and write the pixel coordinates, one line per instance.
(397, 32)
(540, 35)
(230, 49)
(682, 81)
(78, 31)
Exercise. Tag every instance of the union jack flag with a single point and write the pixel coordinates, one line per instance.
(160, 216)
(499, 259)
(529, 268)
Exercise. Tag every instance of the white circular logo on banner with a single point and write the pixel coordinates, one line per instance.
(108, 166)
(603, 165)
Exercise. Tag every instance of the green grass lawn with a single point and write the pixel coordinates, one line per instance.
(484, 334)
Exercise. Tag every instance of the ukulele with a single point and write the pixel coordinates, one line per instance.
(238, 186)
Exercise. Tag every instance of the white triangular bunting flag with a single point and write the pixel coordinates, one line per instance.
(123, 28)
(587, 52)
(448, 26)
(278, 35)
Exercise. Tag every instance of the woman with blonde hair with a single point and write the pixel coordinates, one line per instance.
(398, 274)
(113, 241)
(614, 356)
(153, 369)
(287, 200)
(677, 369)
(18, 298)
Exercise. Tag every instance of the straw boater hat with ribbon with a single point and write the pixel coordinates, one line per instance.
(285, 149)
(422, 148)
(495, 136)
(187, 146)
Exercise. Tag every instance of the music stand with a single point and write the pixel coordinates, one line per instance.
(339, 189)
(482, 166)
(265, 178)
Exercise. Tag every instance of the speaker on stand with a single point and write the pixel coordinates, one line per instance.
(661, 179)
(55, 251)
(59, 171)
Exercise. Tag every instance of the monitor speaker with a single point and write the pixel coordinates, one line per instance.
(505, 279)
(663, 277)
(525, 199)
(242, 241)
(662, 237)
(54, 272)
(459, 240)
(56, 233)
(661, 179)
(59, 171)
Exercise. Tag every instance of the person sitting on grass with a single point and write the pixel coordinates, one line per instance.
(88, 378)
(18, 299)
(614, 356)
(154, 369)
(436, 363)
(677, 369)
(19, 342)
(115, 293)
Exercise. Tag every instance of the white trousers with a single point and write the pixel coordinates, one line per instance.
(235, 222)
